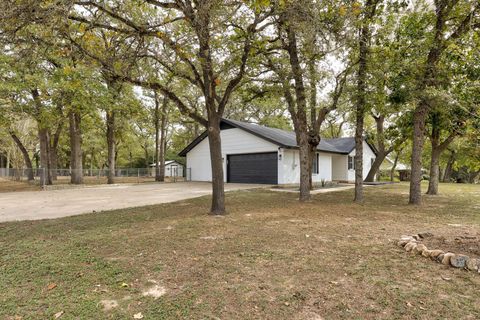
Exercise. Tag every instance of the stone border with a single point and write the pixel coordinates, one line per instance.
(413, 244)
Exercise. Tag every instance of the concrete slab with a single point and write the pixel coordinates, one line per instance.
(37, 205)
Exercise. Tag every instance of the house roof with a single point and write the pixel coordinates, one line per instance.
(282, 138)
(166, 163)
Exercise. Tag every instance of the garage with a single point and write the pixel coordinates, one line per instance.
(253, 168)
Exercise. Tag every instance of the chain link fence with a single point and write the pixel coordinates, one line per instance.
(44, 177)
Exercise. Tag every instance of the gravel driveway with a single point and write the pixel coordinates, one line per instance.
(36, 205)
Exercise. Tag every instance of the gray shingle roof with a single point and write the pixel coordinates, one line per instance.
(282, 138)
(288, 139)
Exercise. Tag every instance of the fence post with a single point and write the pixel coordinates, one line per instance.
(138, 175)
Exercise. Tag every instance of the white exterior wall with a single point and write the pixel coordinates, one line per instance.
(368, 154)
(238, 141)
(289, 167)
(169, 169)
(234, 141)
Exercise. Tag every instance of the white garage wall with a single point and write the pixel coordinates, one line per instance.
(289, 167)
(234, 141)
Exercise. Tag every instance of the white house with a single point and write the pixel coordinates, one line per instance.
(257, 154)
(172, 169)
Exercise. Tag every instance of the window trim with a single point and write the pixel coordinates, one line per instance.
(351, 165)
(316, 164)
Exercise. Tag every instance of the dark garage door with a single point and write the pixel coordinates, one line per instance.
(253, 168)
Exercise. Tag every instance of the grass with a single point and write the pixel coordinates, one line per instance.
(269, 258)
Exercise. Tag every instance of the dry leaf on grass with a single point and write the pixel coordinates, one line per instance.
(51, 286)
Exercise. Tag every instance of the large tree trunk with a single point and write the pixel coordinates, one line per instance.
(163, 141)
(54, 150)
(382, 152)
(299, 116)
(214, 139)
(45, 173)
(160, 137)
(447, 174)
(434, 172)
(111, 143)
(75, 148)
(156, 119)
(422, 109)
(26, 156)
(416, 165)
(363, 43)
(394, 166)
(375, 167)
(305, 173)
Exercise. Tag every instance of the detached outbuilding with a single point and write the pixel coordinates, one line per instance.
(172, 169)
(257, 154)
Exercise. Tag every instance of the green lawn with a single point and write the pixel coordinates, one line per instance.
(270, 258)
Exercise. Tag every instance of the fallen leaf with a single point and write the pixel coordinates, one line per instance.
(58, 314)
(52, 286)
(138, 316)
(124, 285)
(446, 278)
(409, 304)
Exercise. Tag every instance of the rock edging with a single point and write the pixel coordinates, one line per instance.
(413, 244)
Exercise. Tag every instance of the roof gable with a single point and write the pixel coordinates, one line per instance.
(282, 138)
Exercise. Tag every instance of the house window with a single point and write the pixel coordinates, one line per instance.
(315, 166)
(351, 163)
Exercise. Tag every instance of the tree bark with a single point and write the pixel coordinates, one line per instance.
(163, 140)
(447, 174)
(299, 116)
(160, 119)
(75, 148)
(422, 109)
(111, 143)
(26, 157)
(54, 150)
(363, 42)
(382, 153)
(45, 173)
(434, 172)
(394, 166)
(214, 139)
(375, 167)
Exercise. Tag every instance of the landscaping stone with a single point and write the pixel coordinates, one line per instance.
(473, 264)
(420, 248)
(424, 235)
(435, 253)
(447, 257)
(458, 261)
(410, 246)
(426, 253)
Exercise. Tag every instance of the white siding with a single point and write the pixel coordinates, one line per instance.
(172, 167)
(238, 141)
(368, 154)
(234, 141)
(289, 167)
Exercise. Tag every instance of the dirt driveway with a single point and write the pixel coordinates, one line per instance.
(61, 203)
